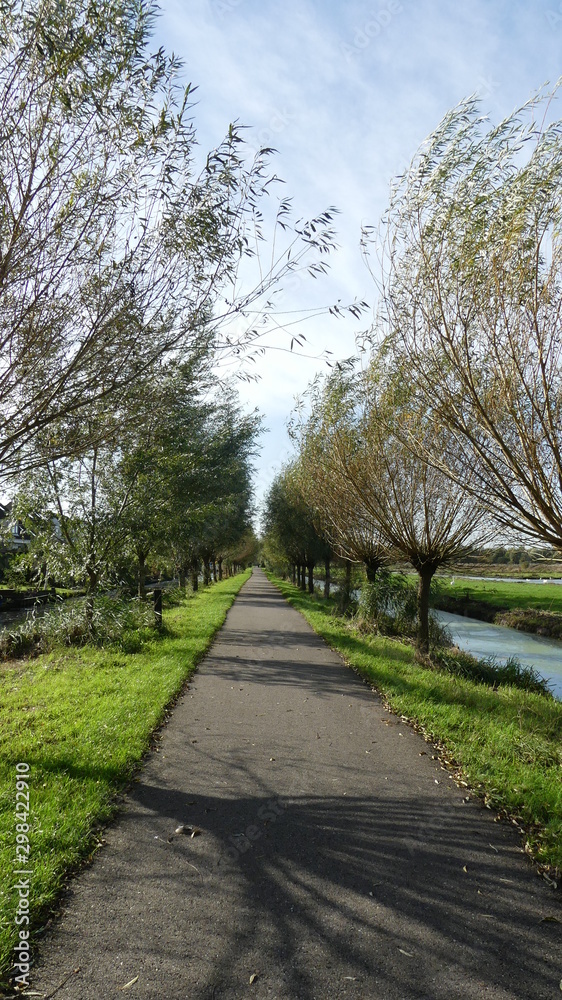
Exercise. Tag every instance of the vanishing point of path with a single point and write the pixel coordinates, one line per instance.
(336, 859)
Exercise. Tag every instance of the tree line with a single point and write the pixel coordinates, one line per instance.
(126, 282)
(447, 431)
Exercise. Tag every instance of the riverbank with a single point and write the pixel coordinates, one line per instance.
(80, 721)
(533, 607)
(504, 744)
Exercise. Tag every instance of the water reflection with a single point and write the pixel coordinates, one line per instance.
(483, 639)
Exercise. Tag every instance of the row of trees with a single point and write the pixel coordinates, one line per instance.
(115, 253)
(126, 276)
(173, 490)
(453, 431)
(369, 496)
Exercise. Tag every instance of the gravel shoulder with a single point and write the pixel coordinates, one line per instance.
(332, 856)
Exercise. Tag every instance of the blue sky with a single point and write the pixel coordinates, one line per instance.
(346, 92)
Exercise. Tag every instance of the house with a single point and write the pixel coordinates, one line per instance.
(13, 537)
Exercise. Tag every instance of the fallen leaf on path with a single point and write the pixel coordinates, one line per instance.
(272, 758)
(189, 831)
(352, 978)
(550, 920)
(465, 869)
(422, 753)
(253, 977)
(130, 983)
(408, 953)
(510, 880)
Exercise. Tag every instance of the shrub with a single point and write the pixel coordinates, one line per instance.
(102, 621)
(389, 604)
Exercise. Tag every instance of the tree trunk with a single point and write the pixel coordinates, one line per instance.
(182, 577)
(141, 575)
(215, 577)
(206, 573)
(303, 577)
(327, 579)
(195, 576)
(371, 567)
(220, 568)
(294, 574)
(93, 580)
(310, 568)
(424, 587)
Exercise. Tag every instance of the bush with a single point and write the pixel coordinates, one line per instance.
(101, 622)
(389, 605)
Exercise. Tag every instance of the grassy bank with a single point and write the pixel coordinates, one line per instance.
(529, 607)
(507, 743)
(82, 720)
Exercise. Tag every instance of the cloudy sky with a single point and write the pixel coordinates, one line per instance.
(346, 92)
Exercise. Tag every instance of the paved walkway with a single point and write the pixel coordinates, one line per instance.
(336, 859)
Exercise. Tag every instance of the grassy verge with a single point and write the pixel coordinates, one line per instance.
(506, 743)
(82, 720)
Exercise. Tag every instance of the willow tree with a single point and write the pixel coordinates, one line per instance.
(290, 527)
(417, 511)
(114, 251)
(472, 305)
(323, 434)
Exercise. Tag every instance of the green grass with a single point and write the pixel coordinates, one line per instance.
(82, 720)
(507, 743)
(506, 596)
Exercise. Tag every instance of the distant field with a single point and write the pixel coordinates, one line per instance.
(504, 596)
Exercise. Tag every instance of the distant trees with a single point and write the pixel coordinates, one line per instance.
(176, 488)
(290, 528)
(323, 437)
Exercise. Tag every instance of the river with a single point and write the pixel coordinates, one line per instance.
(483, 639)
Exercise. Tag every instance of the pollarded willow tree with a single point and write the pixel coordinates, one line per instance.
(419, 512)
(472, 305)
(322, 435)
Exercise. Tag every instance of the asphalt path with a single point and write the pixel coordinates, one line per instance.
(335, 859)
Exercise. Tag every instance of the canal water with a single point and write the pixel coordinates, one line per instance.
(483, 639)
